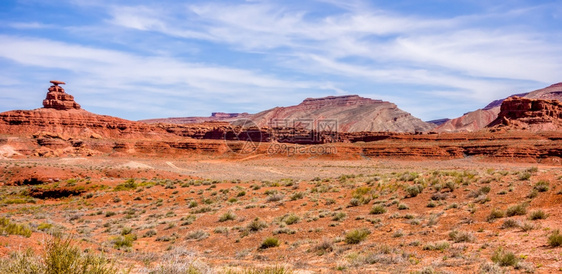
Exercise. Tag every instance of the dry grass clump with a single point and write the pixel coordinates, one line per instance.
(7, 227)
(504, 258)
(356, 236)
(555, 239)
(60, 256)
(461, 236)
(269, 242)
(515, 210)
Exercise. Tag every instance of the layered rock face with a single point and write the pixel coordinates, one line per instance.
(479, 119)
(58, 99)
(529, 114)
(351, 113)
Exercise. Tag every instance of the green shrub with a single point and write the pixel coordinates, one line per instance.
(356, 236)
(403, 207)
(504, 258)
(461, 236)
(275, 198)
(325, 246)
(541, 186)
(537, 215)
(533, 194)
(378, 209)
(555, 239)
(149, 233)
(495, 214)
(228, 216)
(203, 209)
(290, 219)
(269, 242)
(414, 190)
(127, 185)
(9, 228)
(124, 241)
(22, 263)
(450, 185)
(524, 176)
(44, 226)
(339, 216)
(63, 257)
(437, 246)
(187, 220)
(193, 204)
(360, 191)
(297, 196)
(256, 270)
(484, 190)
(520, 209)
(126, 230)
(510, 223)
(256, 225)
(198, 235)
(354, 202)
(60, 257)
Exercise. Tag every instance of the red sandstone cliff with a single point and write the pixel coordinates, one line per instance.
(478, 119)
(529, 114)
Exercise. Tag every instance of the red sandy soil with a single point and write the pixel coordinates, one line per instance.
(399, 239)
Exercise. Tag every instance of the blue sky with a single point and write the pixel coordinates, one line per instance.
(145, 59)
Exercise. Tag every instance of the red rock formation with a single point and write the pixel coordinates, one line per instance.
(62, 116)
(479, 119)
(58, 99)
(529, 114)
(351, 113)
(74, 123)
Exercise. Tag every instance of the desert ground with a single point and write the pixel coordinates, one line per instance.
(264, 214)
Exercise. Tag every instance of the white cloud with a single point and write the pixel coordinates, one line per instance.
(352, 47)
(109, 72)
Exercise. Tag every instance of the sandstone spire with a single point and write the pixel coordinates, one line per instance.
(58, 99)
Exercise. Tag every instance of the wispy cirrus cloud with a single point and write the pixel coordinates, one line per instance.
(251, 55)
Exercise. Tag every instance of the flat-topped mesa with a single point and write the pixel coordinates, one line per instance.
(345, 100)
(58, 99)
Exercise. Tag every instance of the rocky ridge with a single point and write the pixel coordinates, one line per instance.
(351, 113)
(529, 114)
(479, 119)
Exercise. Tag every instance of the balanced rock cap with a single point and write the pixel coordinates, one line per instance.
(55, 82)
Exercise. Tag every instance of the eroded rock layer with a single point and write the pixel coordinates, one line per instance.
(530, 114)
(479, 119)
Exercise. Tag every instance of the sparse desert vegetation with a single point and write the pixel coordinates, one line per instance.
(377, 218)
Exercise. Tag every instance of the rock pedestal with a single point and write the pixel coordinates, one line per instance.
(58, 99)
